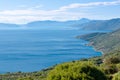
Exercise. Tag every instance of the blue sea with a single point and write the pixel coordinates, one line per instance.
(33, 50)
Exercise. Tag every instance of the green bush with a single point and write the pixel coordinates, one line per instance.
(116, 76)
(118, 66)
(76, 71)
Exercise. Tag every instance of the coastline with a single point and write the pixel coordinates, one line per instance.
(90, 44)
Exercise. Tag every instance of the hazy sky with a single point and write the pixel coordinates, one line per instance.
(23, 11)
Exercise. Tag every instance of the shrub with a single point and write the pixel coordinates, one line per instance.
(118, 66)
(26, 78)
(110, 69)
(112, 60)
(116, 76)
(76, 71)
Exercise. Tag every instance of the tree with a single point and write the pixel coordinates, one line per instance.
(76, 71)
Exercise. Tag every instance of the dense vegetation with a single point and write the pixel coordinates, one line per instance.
(116, 76)
(105, 43)
(79, 70)
(39, 75)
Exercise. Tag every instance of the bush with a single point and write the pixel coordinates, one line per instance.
(116, 76)
(118, 66)
(76, 71)
(112, 60)
(110, 69)
(26, 78)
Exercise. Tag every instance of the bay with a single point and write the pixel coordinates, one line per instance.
(33, 50)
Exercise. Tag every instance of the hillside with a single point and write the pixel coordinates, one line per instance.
(112, 24)
(104, 42)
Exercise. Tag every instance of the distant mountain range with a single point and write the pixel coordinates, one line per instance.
(56, 23)
(45, 24)
(82, 24)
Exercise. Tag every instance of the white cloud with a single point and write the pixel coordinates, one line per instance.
(36, 7)
(92, 4)
(30, 8)
(63, 13)
(24, 16)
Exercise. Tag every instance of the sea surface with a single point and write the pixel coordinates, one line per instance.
(33, 50)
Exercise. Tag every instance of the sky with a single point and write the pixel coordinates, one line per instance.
(24, 11)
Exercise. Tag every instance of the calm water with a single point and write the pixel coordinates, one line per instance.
(32, 50)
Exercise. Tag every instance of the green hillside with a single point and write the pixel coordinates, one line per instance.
(104, 42)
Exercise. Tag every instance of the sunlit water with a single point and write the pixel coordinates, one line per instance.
(33, 50)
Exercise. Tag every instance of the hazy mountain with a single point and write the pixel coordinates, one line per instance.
(56, 24)
(112, 24)
(5, 25)
(82, 24)
(9, 26)
(44, 24)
